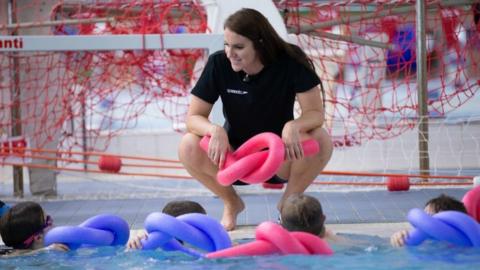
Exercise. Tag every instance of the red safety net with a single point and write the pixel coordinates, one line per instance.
(371, 89)
(85, 94)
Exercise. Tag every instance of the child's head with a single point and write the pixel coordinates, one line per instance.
(304, 213)
(23, 225)
(178, 208)
(444, 203)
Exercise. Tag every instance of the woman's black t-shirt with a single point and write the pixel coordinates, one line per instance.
(262, 103)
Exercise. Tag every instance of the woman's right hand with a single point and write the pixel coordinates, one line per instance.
(291, 139)
(218, 146)
(398, 238)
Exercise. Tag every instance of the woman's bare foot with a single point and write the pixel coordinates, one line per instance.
(230, 213)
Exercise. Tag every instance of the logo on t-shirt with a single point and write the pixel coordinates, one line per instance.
(236, 92)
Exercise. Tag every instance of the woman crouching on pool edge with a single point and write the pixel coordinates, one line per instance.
(432, 207)
(23, 228)
(258, 77)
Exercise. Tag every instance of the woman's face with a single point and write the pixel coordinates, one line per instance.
(241, 53)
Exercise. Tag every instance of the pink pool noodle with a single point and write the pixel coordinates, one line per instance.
(272, 238)
(471, 200)
(251, 163)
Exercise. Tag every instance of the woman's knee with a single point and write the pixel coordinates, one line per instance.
(189, 148)
(325, 142)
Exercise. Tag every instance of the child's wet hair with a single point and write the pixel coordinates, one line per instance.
(178, 208)
(304, 213)
(20, 222)
(446, 203)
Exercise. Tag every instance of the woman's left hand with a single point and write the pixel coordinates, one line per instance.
(291, 139)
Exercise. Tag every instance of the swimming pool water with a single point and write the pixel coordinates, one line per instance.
(367, 253)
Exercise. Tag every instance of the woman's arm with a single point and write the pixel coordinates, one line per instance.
(311, 117)
(313, 114)
(197, 117)
(198, 123)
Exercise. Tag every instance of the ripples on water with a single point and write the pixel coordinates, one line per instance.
(367, 252)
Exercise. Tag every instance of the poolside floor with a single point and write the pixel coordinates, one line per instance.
(375, 211)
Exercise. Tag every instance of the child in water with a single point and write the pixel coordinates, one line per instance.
(23, 228)
(175, 209)
(433, 206)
